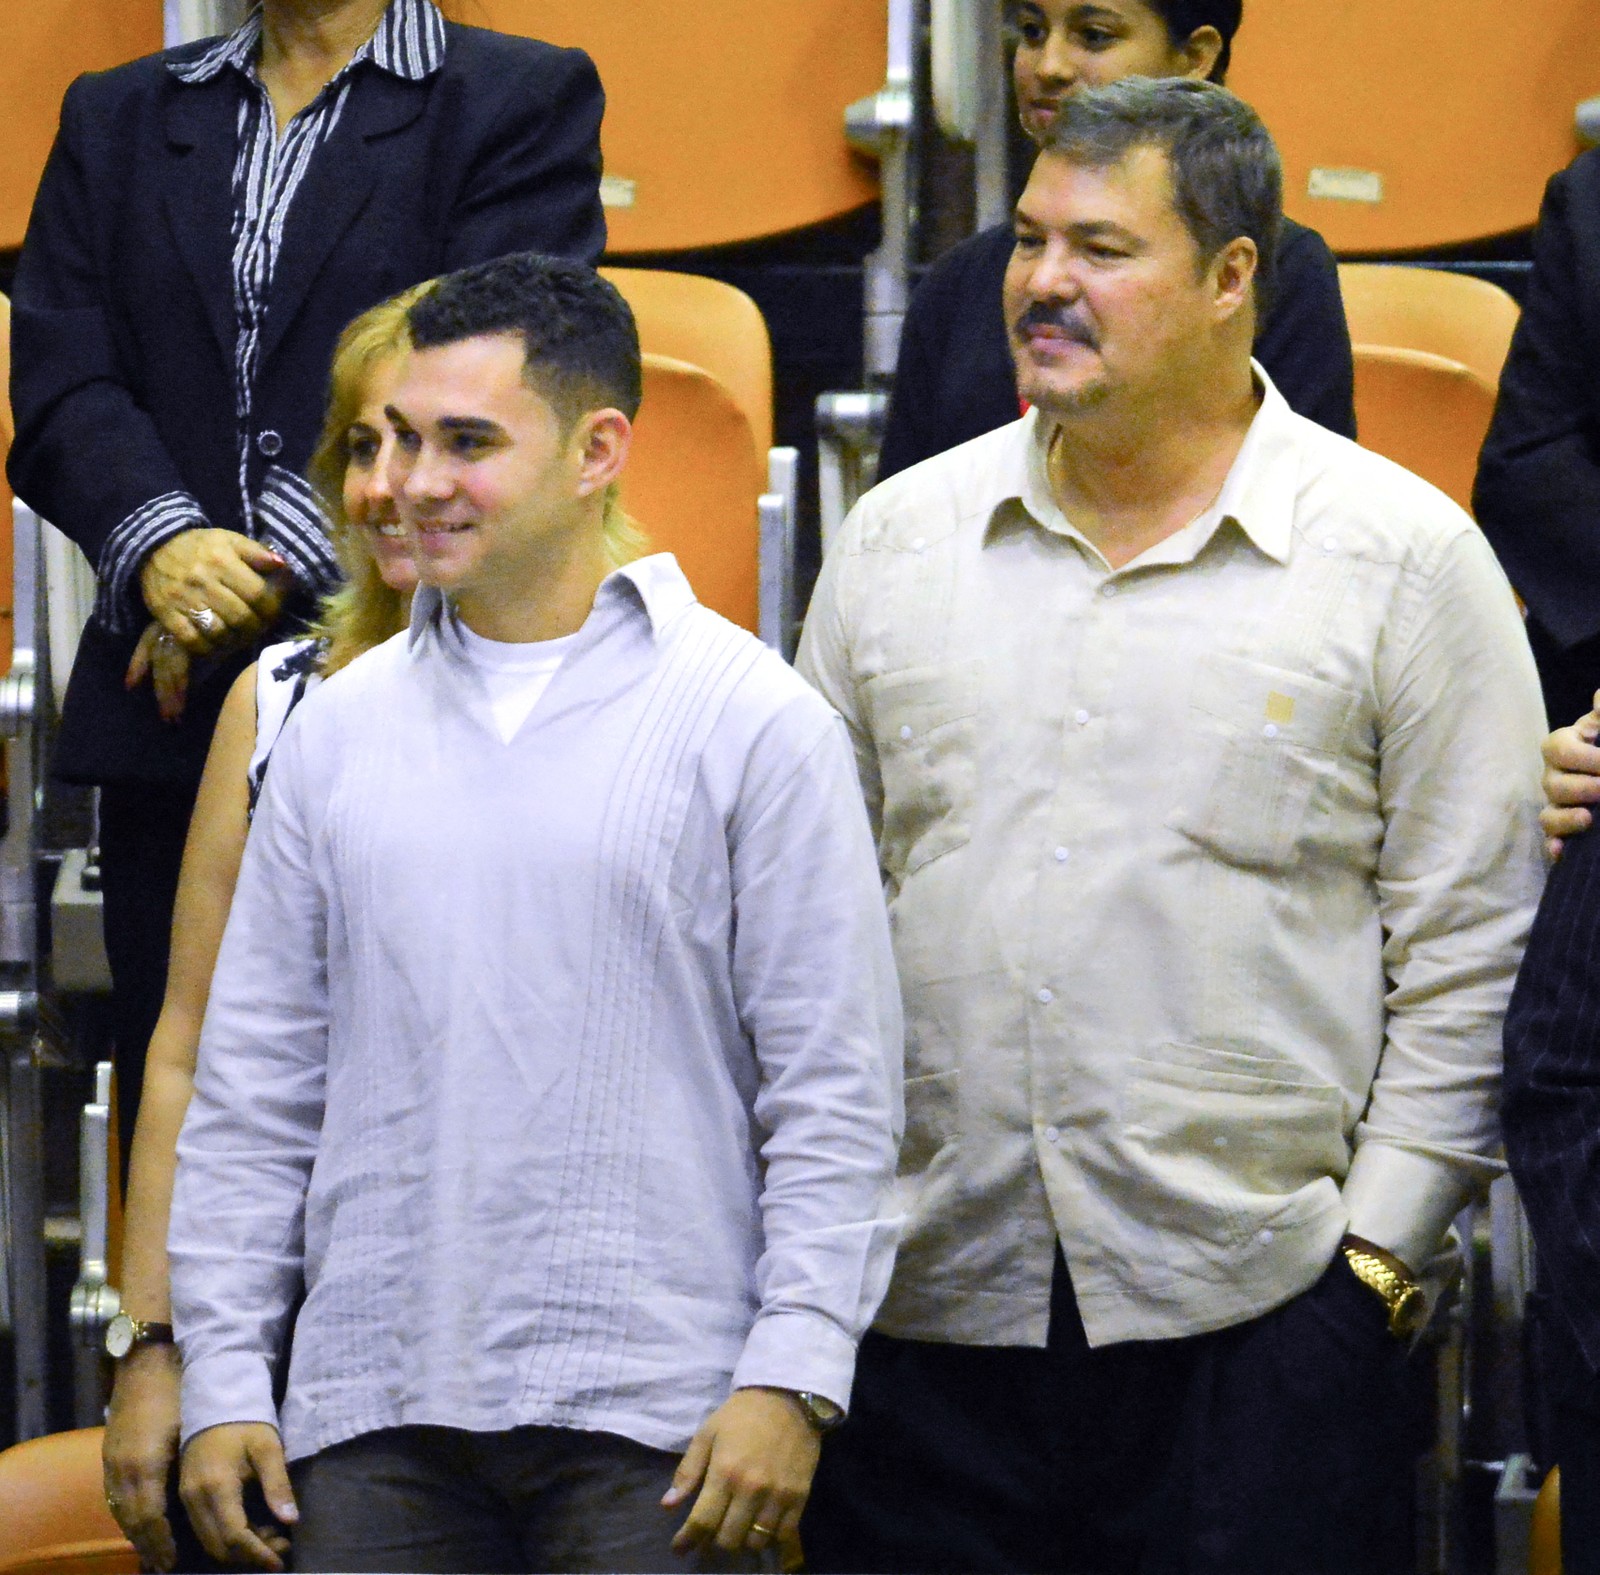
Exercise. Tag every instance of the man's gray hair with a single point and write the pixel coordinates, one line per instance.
(1227, 178)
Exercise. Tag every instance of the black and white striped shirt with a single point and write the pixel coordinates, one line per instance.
(268, 171)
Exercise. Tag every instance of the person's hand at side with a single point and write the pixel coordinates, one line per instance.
(141, 1442)
(1571, 779)
(211, 589)
(165, 663)
(752, 1462)
(218, 1465)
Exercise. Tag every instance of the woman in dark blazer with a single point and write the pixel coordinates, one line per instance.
(208, 221)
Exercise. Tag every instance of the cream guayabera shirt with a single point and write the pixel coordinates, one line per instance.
(1208, 876)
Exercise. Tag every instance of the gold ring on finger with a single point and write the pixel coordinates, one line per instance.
(762, 1531)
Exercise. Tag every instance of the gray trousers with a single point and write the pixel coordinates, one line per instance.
(443, 1500)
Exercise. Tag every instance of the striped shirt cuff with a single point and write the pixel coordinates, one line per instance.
(289, 518)
(119, 602)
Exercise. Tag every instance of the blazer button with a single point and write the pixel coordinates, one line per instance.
(270, 443)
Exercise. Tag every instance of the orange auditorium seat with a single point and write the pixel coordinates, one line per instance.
(44, 44)
(1425, 412)
(725, 118)
(1450, 314)
(1544, 1545)
(693, 482)
(1410, 126)
(53, 1515)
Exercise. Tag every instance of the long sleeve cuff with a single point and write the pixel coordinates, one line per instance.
(232, 1386)
(119, 602)
(1404, 1201)
(800, 1351)
(289, 518)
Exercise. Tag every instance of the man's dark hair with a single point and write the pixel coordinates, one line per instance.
(1227, 179)
(1185, 17)
(580, 342)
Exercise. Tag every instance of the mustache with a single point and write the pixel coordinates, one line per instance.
(1044, 315)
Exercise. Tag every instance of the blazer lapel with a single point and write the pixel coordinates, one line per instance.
(337, 186)
(197, 193)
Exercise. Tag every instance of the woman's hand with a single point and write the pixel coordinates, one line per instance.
(213, 589)
(1571, 779)
(141, 1442)
(165, 663)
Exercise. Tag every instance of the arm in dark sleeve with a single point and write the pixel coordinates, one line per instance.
(537, 184)
(1537, 496)
(86, 456)
(1304, 341)
(1551, 1110)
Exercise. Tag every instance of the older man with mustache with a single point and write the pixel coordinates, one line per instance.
(1202, 749)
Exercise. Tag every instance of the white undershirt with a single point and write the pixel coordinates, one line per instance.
(516, 674)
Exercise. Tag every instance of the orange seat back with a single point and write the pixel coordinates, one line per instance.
(724, 118)
(1425, 412)
(44, 44)
(53, 1513)
(1544, 1544)
(1422, 125)
(709, 324)
(1450, 314)
(693, 481)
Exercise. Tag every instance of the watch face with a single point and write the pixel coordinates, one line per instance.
(119, 1336)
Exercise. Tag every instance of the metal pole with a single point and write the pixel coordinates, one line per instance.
(992, 172)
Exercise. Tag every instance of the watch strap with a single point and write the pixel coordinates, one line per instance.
(1399, 1292)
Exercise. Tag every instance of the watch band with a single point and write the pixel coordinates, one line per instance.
(1401, 1294)
(820, 1411)
(125, 1334)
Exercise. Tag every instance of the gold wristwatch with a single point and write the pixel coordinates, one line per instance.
(1384, 1273)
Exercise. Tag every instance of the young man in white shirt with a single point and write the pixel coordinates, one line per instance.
(554, 1037)
(1203, 750)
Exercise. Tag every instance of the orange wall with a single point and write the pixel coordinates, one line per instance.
(44, 44)
(1463, 108)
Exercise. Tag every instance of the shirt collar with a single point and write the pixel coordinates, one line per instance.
(409, 43)
(1257, 496)
(654, 585)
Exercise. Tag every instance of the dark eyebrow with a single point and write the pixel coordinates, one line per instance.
(476, 426)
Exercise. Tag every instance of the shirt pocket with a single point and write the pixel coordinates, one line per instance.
(924, 724)
(1230, 1142)
(1259, 742)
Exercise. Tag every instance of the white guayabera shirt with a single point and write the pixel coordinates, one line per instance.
(1209, 875)
(566, 1069)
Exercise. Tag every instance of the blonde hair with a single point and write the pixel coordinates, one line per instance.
(364, 612)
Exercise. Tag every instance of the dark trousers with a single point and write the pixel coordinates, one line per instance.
(534, 1498)
(142, 830)
(1272, 1448)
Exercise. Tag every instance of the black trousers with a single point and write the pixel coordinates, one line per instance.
(142, 831)
(532, 1498)
(1282, 1446)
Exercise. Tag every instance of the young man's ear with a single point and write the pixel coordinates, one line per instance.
(601, 441)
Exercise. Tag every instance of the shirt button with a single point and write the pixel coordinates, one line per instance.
(1270, 730)
(1046, 997)
(270, 443)
(1108, 590)
(918, 544)
(1061, 855)
(1052, 1134)
(1219, 1142)
(1081, 718)
(1264, 1237)
(1331, 544)
(905, 735)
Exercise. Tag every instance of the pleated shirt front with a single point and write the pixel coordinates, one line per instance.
(565, 1069)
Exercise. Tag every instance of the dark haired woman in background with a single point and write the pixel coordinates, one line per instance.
(955, 380)
(209, 220)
